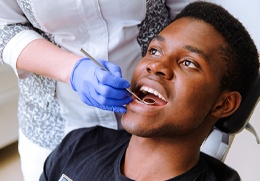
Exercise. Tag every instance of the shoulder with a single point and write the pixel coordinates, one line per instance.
(220, 170)
(92, 137)
(86, 146)
(94, 133)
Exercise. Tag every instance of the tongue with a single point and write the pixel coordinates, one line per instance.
(151, 98)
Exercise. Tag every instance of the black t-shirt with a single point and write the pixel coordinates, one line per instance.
(95, 154)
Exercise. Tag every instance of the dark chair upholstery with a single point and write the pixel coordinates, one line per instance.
(221, 170)
(233, 125)
(239, 120)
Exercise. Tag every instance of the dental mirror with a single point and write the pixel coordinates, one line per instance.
(149, 101)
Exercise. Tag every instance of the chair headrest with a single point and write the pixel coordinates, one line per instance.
(238, 121)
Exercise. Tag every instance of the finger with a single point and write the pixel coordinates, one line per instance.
(113, 68)
(107, 104)
(112, 102)
(119, 109)
(109, 79)
(113, 93)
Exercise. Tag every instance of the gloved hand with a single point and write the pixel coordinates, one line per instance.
(99, 88)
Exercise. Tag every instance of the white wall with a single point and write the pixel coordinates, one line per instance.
(244, 154)
(248, 12)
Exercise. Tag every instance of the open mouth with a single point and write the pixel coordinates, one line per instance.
(151, 96)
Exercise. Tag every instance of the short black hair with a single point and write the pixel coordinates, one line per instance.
(241, 56)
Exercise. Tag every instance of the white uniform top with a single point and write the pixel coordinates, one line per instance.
(114, 30)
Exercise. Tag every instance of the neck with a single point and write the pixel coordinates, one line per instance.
(158, 159)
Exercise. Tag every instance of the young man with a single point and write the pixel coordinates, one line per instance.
(196, 70)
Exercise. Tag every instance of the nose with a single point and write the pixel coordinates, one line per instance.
(160, 68)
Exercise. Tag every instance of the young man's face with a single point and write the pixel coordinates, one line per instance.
(184, 68)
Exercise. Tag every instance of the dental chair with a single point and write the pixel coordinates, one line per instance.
(216, 146)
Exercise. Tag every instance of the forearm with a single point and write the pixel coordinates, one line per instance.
(43, 58)
(26, 51)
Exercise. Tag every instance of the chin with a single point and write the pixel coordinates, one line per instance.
(126, 122)
(132, 126)
(138, 128)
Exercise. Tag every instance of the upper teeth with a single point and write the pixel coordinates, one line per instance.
(152, 91)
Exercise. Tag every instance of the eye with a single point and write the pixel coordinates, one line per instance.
(188, 63)
(153, 51)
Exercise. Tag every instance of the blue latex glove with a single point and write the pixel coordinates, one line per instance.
(99, 88)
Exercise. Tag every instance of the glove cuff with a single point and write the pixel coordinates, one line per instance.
(73, 72)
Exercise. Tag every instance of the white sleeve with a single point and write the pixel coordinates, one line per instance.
(15, 46)
(175, 6)
(16, 33)
(11, 13)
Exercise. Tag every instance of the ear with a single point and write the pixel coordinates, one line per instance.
(226, 104)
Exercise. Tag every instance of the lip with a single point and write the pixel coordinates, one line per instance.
(154, 92)
(143, 109)
(137, 106)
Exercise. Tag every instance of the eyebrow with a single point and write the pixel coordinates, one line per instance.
(159, 38)
(187, 47)
(196, 50)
